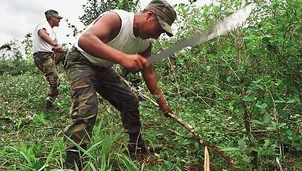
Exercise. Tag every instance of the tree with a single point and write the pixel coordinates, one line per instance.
(93, 8)
(27, 43)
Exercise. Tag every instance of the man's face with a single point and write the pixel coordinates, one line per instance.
(152, 28)
(56, 21)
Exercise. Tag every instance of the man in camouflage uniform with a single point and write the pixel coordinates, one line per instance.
(47, 53)
(116, 37)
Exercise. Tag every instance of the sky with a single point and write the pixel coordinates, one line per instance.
(19, 17)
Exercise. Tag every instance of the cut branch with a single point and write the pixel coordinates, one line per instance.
(200, 139)
(188, 127)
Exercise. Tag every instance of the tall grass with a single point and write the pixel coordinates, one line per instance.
(32, 139)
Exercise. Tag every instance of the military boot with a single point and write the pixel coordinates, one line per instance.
(143, 148)
(137, 146)
(74, 159)
(49, 105)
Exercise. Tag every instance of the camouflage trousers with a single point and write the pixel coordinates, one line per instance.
(45, 61)
(86, 80)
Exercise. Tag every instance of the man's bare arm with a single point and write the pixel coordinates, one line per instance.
(151, 81)
(93, 41)
(44, 35)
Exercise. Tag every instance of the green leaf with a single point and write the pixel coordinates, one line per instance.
(230, 149)
(280, 101)
(282, 125)
(242, 144)
(257, 122)
(259, 86)
(249, 98)
(212, 56)
(270, 128)
(237, 3)
(208, 68)
(217, 8)
(291, 101)
(289, 132)
(262, 106)
(245, 67)
(266, 118)
(257, 81)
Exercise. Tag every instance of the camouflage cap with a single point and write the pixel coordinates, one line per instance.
(165, 13)
(52, 13)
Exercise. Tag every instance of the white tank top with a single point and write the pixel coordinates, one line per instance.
(125, 41)
(39, 45)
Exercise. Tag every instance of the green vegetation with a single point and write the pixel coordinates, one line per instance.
(241, 92)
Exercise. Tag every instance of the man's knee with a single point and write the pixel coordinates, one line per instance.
(131, 102)
(53, 92)
(54, 83)
(80, 131)
(53, 79)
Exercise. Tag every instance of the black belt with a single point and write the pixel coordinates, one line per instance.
(42, 53)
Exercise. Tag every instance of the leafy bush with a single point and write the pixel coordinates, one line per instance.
(16, 67)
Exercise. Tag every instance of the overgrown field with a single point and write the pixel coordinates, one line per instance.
(31, 139)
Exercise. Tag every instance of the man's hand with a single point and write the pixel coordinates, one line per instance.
(166, 113)
(165, 109)
(57, 48)
(134, 63)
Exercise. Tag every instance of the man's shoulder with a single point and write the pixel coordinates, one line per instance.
(41, 25)
(122, 13)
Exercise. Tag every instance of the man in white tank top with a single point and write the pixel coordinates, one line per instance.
(45, 51)
(116, 37)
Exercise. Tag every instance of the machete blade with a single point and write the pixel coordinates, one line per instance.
(230, 23)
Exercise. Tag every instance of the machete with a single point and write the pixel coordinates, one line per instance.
(229, 23)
